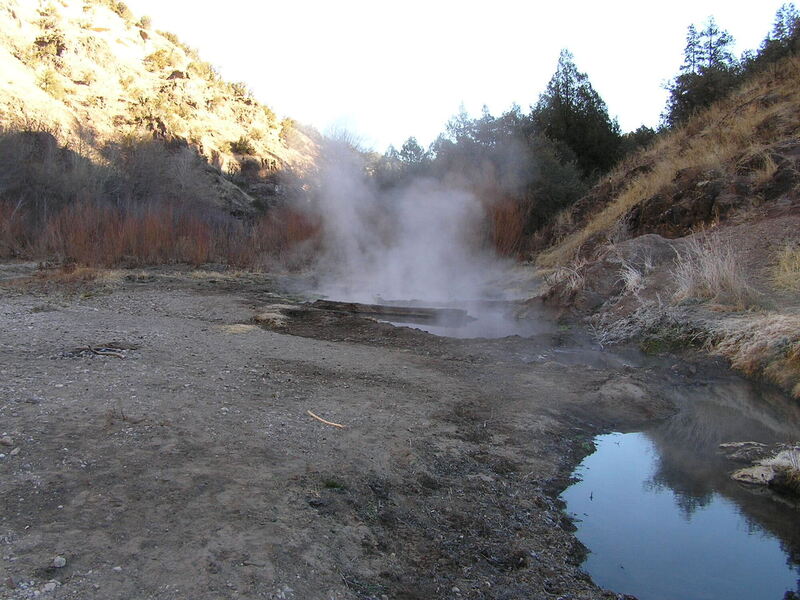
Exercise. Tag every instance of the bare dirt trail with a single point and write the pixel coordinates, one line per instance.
(191, 469)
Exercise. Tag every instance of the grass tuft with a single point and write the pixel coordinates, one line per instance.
(786, 273)
(707, 270)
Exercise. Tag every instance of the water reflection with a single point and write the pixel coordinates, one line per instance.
(661, 517)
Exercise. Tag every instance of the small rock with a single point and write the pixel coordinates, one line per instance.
(455, 590)
(6, 441)
(50, 586)
(59, 562)
(117, 569)
(14, 452)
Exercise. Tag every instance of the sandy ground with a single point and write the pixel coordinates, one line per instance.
(188, 467)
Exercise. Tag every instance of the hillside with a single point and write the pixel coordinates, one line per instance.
(90, 71)
(696, 239)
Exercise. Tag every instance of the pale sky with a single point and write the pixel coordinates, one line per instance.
(389, 70)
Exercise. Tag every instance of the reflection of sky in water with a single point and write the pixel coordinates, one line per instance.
(649, 541)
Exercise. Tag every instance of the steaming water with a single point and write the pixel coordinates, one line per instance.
(662, 519)
(496, 320)
(423, 240)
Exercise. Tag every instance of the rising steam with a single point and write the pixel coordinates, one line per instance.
(422, 242)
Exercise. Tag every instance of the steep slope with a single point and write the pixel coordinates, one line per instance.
(739, 154)
(696, 240)
(89, 69)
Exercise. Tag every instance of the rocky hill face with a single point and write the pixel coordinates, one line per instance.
(730, 162)
(695, 241)
(93, 72)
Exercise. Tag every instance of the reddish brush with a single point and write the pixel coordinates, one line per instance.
(506, 223)
(98, 234)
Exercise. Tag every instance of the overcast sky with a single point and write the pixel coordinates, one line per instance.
(388, 70)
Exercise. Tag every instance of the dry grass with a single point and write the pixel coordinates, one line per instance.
(768, 346)
(632, 278)
(713, 139)
(708, 270)
(786, 273)
(570, 279)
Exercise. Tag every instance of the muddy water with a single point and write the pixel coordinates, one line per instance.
(662, 519)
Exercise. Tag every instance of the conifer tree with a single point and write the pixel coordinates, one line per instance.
(572, 113)
(691, 53)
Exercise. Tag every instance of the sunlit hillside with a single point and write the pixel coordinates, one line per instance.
(95, 70)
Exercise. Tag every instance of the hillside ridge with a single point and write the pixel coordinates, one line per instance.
(92, 72)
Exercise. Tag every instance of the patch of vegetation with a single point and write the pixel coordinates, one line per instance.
(242, 146)
(168, 35)
(51, 83)
(50, 45)
(786, 273)
(240, 89)
(287, 128)
(159, 60)
(145, 22)
(116, 6)
(708, 270)
(332, 484)
(768, 346)
(670, 338)
(203, 70)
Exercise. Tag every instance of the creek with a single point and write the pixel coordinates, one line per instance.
(661, 518)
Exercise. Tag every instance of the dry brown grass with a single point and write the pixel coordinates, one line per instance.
(708, 270)
(786, 273)
(768, 346)
(713, 139)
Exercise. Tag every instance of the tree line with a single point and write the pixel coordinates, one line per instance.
(546, 158)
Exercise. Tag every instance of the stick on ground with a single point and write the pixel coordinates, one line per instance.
(324, 421)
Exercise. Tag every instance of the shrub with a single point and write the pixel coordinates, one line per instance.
(242, 146)
(203, 70)
(50, 44)
(145, 22)
(115, 6)
(159, 60)
(50, 82)
(240, 89)
(287, 129)
(168, 35)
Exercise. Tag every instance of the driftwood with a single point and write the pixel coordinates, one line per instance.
(383, 310)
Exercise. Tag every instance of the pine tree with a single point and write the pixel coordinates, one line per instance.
(691, 53)
(570, 112)
(715, 46)
(709, 72)
(783, 40)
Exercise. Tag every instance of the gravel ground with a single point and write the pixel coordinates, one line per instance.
(157, 442)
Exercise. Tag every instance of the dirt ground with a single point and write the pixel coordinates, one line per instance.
(182, 462)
